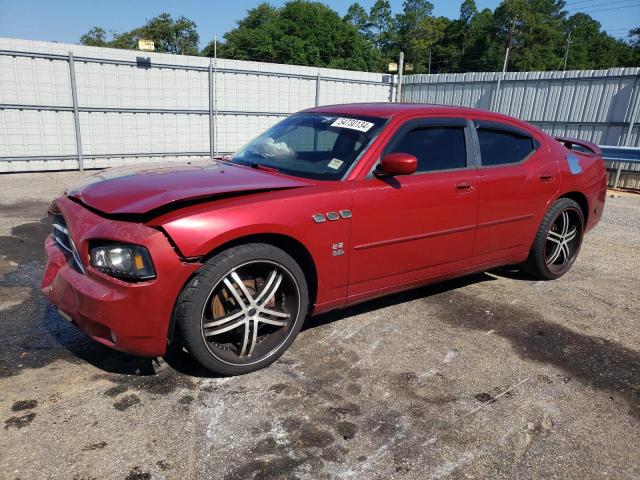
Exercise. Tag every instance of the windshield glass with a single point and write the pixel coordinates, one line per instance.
(321, 146)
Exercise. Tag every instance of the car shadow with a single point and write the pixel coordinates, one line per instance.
(395, 299)
(110, 361)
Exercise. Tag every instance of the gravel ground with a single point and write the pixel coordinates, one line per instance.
(494, 375)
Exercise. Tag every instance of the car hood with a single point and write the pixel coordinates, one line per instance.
(141, 189)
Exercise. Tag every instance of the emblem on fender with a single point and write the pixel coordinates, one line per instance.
(332, 216)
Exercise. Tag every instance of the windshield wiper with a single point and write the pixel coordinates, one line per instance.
(261, 166)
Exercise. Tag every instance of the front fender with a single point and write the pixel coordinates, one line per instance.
(197, 231)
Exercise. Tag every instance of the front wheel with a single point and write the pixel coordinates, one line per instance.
(557, 241)
(243, 308)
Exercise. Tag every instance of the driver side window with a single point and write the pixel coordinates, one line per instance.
(436, 148)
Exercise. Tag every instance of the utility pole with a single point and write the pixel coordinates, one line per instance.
(400, 68)
(215, 91)
(506, 55)
(566, 52)
(429, 61)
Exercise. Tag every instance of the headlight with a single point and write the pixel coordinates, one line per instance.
(128, 262)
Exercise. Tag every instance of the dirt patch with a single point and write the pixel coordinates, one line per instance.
(26, 242)
(19, 422)
(24, 209)
(601, 363)
(24, 405)
(126, 402)
(94, 446)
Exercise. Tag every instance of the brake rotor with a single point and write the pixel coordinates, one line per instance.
(222, 303)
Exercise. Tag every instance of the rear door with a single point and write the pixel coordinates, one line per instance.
(411, 227)
(516, 179)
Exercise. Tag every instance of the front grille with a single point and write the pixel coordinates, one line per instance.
(63, 239)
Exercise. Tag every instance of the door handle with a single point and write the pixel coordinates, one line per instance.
(463, 187)
(546, 177)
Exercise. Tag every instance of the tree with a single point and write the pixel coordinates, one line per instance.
(96, 37)
(538, 40)
(310, 33)
(358, 17)
(634, 37)
(300, 33)
(468, 10)
(170, 36)
(414, 30)
(382, 27)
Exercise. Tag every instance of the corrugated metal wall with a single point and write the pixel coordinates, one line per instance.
(137, 106)
(595, 105)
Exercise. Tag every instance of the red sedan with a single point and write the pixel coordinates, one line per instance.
(332, 206)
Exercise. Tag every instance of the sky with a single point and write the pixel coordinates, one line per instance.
(66, 20)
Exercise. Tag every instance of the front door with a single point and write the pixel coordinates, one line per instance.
(408, 228)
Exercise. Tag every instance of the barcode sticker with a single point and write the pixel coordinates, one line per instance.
(352, 123)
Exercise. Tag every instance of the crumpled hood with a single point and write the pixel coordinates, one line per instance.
(138, 190)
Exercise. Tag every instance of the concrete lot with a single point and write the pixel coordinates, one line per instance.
(494, 375)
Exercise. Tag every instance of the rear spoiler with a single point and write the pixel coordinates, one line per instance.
(569, 142)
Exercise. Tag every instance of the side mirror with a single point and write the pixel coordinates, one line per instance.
(397, 164)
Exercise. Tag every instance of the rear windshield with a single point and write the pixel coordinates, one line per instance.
(321, 146)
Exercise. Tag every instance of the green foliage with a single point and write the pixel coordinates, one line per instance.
(304, 32)
(170, 36)
(96, 37)
(301, 33)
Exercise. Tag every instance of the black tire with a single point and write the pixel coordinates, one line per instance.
(270, 301)
(548, 258)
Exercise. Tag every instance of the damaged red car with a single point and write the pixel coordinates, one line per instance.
(332, 206)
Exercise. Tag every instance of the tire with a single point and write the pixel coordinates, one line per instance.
(557, 242)
(243, 308)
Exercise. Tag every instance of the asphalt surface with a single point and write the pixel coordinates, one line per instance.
(494, 375)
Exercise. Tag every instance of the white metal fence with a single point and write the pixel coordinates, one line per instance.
(68, 106)
(601, 106)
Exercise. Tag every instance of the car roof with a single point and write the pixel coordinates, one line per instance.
(386, 109)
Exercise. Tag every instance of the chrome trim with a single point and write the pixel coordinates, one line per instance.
(319, 218)
(61, 228)
(71, 247)
(332, 216)
(65, 316)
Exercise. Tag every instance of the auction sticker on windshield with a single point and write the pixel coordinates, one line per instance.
(352, 123)
(335, 164)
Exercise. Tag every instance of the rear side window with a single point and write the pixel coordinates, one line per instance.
(500, 147)
(436, 148)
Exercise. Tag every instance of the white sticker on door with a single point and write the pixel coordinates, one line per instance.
(352, 123)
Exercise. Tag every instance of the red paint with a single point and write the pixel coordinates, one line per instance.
(398, 164)
(127, 190)
(405, 230)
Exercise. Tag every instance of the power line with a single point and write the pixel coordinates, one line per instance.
(589, 7)
(607, 9)
(582, 1)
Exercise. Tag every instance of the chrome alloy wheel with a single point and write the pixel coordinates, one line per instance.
(250, 312)
(563, 240)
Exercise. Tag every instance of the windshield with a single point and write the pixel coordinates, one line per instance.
(321, 146)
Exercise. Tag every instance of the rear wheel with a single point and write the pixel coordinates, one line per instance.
(557, 241)
(243, 308)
